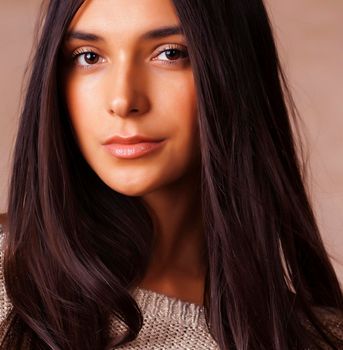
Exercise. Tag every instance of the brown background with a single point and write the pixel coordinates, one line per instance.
(310, 40)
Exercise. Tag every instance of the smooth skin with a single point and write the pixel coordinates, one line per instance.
(125, 83)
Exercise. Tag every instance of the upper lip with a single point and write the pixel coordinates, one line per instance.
(129, 140)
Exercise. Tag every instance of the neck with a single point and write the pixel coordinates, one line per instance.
(178, 255)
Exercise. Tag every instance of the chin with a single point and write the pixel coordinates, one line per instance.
(130, 192)
(133, 190)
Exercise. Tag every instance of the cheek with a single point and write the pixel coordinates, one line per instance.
(178, 101)
(183, 112)
(82, 103)
(81, 99)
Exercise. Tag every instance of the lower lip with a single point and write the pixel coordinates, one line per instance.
(135, 150)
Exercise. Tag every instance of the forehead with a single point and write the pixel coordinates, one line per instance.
(129, 17)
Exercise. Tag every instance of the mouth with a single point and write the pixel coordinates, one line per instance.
(133, 147)
(130, 140)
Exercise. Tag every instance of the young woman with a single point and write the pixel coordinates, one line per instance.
(156, 199)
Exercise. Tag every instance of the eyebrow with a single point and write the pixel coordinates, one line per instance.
(157, 33)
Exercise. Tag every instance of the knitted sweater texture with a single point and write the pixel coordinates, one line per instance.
(169, 323)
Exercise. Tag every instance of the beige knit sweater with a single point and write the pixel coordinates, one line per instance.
(169, 323)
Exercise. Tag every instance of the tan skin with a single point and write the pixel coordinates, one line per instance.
(131, 85)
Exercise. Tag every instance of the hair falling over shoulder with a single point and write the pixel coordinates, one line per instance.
(267, 266)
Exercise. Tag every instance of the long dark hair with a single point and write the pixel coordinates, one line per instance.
(75, 247)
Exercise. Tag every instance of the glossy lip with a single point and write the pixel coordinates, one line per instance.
(131, 147)
(129, 140)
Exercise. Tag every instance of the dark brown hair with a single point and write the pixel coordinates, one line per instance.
(75, 247)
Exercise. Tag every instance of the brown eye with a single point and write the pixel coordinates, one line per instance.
(86, 58)
(173, 54)
(91, 57)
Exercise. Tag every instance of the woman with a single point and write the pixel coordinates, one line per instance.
(156, 199)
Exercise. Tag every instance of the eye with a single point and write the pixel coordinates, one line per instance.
(173, 55)
(86, 58)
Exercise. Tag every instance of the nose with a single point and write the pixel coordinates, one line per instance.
(126, 88)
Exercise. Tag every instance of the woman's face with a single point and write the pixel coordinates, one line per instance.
(128, 78)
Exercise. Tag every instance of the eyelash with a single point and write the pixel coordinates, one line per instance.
(183, 51)
(177, 48)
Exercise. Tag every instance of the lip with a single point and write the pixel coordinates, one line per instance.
(131, 147)
(129, 140)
